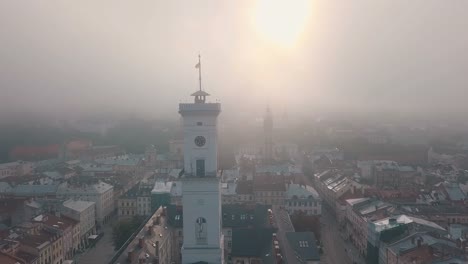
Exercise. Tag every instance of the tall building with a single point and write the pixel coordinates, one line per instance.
(201, 194)
(268, 130)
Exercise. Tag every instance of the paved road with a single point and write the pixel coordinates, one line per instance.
(102, 252)
(332, 238)
(334, 246)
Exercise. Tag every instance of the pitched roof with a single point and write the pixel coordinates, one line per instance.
(251, 242)
(301, 191)
(9, 259)
(244, 187)
(33, 190)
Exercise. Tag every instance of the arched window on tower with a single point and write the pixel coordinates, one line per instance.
(201, 231)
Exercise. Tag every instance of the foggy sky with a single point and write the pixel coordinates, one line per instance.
(115, 56)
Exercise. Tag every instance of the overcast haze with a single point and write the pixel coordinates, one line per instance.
(139, 56)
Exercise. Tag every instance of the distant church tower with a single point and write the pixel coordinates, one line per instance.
(200, 185)
(268, 131)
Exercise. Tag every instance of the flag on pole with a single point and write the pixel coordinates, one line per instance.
(197, 66)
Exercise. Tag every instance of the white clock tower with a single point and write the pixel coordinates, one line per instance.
(201, 196)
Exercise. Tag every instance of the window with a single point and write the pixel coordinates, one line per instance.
(201, 231)
(229, 232)
(199, 123)
(229, 244)
(200, 168)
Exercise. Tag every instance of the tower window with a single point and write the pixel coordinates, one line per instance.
(200, 168)
(199, 123)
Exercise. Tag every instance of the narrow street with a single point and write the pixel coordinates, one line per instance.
(101, 252)
(333, 243)
(334, 246)
(284, 225)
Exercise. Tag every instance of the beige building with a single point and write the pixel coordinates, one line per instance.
(269, 190)
(59, 226)
(47, 246)
(304, 199)
(15, 169)
(137, 201)
(84, 213)
(127, 207)
(101, 193)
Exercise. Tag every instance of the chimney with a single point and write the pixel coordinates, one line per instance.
(141, 242)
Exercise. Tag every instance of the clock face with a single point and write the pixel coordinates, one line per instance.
(200, 141)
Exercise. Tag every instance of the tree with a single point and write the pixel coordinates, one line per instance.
(123, 230)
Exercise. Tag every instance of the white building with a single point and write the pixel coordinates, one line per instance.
(100, 193)
(83, 212)
(304, 199)
(201, 196)
(15, 169)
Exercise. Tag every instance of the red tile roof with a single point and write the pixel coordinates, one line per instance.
(25, 152)
(9, 259)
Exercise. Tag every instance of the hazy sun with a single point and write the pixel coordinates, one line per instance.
(281, 21)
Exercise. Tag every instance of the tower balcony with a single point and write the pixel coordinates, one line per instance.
(211, 108)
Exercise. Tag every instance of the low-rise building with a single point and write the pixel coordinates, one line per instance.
(124, 163)
(101, 193)
(161, 194)
(359, 212)
(228, 193)
(384, 232)
(137, 201)
(441, 214)
(84, 212)
(244, 191)
(61, 227)
(15, 169)
(46, 245)
(302, 199)
(269, 189)
(304, 245)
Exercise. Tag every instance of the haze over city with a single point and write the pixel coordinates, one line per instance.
(233, 132)
(119, 57)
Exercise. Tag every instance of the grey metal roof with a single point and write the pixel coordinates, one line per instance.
(32, 190)
(304, 244)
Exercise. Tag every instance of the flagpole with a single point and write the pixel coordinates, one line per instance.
(199, 70)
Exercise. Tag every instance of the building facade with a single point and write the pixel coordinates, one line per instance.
(101, 193)
(84, 212)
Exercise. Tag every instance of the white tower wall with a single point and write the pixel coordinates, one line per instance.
(201, 196)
